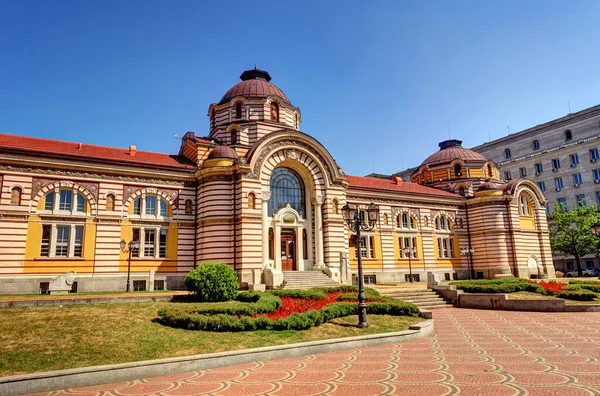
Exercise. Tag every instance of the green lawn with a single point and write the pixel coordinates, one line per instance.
(54, 338)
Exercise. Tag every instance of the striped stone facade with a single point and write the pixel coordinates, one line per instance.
(259, 195)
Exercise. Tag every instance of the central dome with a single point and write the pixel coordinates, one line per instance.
(255, 84)
(451, 150)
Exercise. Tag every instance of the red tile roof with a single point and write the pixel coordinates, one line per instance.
(70, 150)
(372, 183)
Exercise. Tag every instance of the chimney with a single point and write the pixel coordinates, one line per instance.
(79, 146)
(132, 150)
(397, 180)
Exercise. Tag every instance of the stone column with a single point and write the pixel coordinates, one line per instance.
(277, 247)
(265, 195)
(318, 203)
(299, 250)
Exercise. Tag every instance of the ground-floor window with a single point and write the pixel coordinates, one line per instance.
(408, 246)
(367, 247)
(61, 240)
(153, 242)
(445, 248)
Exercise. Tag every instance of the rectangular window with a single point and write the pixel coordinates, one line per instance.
(562, 202)
(162, 246)
(62, 240)
(136, 207)
(159, 284)
(163, 208)
(139, 285)
(150, 205)
(367, 247)
(46, 232)
(597, 175)
(439, 246)
(49, 201)
(80, 203)
(594, 155)
(507, 176)
(451, 246)
(574, 159)
(149, 242)
(66, 196)
(78, 244)
(522, 172)
(577, 180)
(589, 264)
(135, 237)
(598, 198)
(542, 185)
(547, 208)
(558, 183)
(404, 220)
(408, 246)
(539, 168)
(555, 164)
(581, 200)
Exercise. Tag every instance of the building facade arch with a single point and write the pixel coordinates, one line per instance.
(89, 195)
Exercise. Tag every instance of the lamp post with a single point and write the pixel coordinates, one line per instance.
(409, 251)
(127, 248)
(352, 217)
(469, 253)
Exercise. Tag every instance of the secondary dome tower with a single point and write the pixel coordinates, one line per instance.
(251, 109)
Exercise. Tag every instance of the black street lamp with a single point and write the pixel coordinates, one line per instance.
(356, 222)
(409, 251)
(469, 253)
(130, 246)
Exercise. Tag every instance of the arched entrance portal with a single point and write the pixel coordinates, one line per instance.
(287, 217)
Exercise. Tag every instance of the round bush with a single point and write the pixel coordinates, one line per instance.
(213, 282)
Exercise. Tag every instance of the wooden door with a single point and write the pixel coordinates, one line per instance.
(288, 250)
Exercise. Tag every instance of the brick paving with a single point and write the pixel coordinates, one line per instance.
(473, 352)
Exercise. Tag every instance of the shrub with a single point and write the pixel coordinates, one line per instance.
(585, 282)
(312, 293)
(580, 294)
(212, 282)
(594, 288)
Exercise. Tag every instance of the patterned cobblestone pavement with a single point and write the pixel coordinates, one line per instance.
(473, 352)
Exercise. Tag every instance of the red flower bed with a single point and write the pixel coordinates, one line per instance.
(290, 305)
(552, 288)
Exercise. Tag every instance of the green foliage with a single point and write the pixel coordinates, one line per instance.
(584, 282)
(594, 288)
(370, 294)
(220, 320)
(489, 281)
(504, 287)
(212, 282)
(571, 231)
(348, 288)
(577, 294)
(264, 302)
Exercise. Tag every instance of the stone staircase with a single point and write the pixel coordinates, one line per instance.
(423, 298)
(306, 280)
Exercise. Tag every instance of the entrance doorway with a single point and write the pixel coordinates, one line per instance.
(288, 249)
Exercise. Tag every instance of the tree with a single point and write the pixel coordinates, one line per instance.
(571, 231)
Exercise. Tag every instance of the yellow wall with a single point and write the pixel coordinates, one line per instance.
(374, 263)
(527, 222)
(33, 263)
(168, 264)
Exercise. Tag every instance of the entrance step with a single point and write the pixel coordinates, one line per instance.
(425, 299)
(306, 280)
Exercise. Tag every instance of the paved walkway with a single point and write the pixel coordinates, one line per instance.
(473, 352)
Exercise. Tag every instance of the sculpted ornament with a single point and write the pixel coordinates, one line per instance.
(292, 154)
(265, 195)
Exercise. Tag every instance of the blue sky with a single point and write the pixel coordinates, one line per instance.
(379, 83)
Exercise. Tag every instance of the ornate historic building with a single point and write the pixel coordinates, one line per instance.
(260, 195)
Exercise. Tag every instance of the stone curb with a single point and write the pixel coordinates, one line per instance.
(97, 375)
(502, 302)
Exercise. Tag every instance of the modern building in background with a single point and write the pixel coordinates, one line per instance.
(561, 157)
(261, 196)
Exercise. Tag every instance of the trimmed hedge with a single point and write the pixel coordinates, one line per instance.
(594, 288)
(585, 282)
(502, 288)
(248, 304)
(217, 320)
(577, 294)
(369, 296)
(483, 282)
(296, 321)
(312, 293)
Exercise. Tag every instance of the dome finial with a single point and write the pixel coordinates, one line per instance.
(450, 143)
(255, 74)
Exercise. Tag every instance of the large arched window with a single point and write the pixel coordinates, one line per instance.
(286, 188)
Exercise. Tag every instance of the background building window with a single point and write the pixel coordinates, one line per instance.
(507, 153)
(581, 201)
(539, 168)
(562, 202)
(574, 158)
(558, 183)
(577, 180)
(594, 155)
(535, 145)
(568, 135)
(522, 172)
(507, 176)
(555, 164)
(15, 196)
(542, 186)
